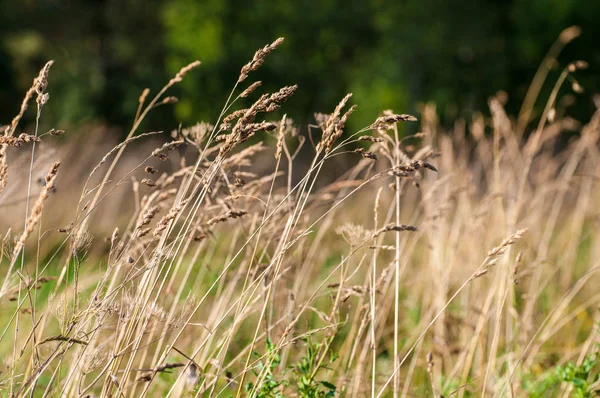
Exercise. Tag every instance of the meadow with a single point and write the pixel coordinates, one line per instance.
(249, 256)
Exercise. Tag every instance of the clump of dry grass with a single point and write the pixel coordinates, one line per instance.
(217, 277)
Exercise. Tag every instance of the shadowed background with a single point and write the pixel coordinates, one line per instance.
(389, 54)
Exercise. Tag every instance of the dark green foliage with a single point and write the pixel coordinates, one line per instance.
(271, 387)
(301, 378)
(389, 54)
(580, 378)
(306, 370)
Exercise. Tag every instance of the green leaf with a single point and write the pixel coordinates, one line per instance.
(328, 385)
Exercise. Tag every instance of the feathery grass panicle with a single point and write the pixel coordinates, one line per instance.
(183, 71)
(251, 89)
(280, 138)
(55, 132)
(148, 182)
(333, 125)
(36, 213)
(165, 221)
(245, 127)
(354, 235)
(385, 122)
(18, 141)
(511, 240)
(258, 59)
(32, 220)
(42, 80)
(39, 85)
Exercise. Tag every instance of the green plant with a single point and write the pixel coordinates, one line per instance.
(306, 370)
(579, 377)
(270, 387)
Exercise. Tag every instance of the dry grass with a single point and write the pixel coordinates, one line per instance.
(219, 265)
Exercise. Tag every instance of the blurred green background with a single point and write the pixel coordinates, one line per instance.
(390, 54)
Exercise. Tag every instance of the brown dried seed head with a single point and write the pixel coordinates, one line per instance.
(332, 125)
(50, 177)
(148, 182)
(280, 137)
(226, 216)
(37, 208)
(400, 228)
(179, 76)
(480, 273)
(370, 138)
(17, 142)
(498, 250)
(385, 122)
(396, 228)
(225, 127)
(114, 236)
(258, 59)
(236, 214)
(273, 107)
(147, 216)
(42, 79)
(239, 182)
(346, 115)
(82, 242)
(150, 170)
(56, 132)
(400, 173)
(169, 100)
(251, 89)
(28, 138)
(169, 146)
(341, 105)
(171, 215)
(366, 154)
(142, 232)
(232, 116)
(283, 94)
(577, 88)
(41, 100)
(11, 141)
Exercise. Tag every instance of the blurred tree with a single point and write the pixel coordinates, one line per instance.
(389, 54)
(106, 52)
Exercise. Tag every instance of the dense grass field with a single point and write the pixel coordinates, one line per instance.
(254, 257)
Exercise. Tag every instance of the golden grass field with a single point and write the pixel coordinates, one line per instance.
(224, 260)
